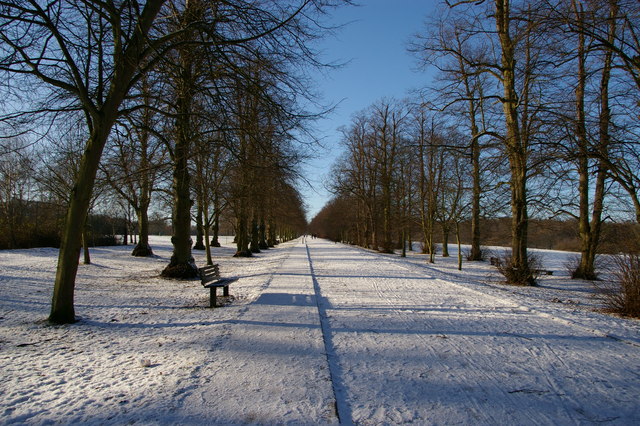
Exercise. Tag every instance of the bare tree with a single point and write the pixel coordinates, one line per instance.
(460, 59)
(85, 54)
(134, 161)
(589, 229)
(387, 138)
(17, 164)
(430, 148)
(612, 28)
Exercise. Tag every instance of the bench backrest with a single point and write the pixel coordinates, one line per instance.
(209, 271)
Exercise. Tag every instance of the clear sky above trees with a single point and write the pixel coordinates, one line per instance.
(373, 47)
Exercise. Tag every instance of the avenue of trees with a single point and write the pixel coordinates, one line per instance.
(534, 114)
(119, 106)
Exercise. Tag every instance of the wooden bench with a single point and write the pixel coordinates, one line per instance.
(211, 279)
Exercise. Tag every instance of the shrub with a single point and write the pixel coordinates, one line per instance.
(623, 294)
(424, 248)
(484, 253)
(519, 276)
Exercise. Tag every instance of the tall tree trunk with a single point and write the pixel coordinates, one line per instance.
(207, 246)
(263, 245)
(216, 227)
(476, 251)
(273, 235)
(459, 246)
(199, 245)
(125, 234)
(62, 307)
(445, 240)
(387, 245)
(143, 249)
(182, 264)
(423, 197)
(586, 268)
(255, 237)
(242, 234)
(206, 227)
(590, 228)
(85, 242)
(603, 144)
(515, 146)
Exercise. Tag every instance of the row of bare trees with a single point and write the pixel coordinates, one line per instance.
(536, 98)
(204, 94)
(402, 166)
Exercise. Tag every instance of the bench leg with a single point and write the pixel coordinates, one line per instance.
(212, 297)
(225, 290)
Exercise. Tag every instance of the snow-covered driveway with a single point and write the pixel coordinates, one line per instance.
(318, 333)
(414, 348)
(270, 365)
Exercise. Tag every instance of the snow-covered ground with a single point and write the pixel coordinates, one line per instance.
(317, 333)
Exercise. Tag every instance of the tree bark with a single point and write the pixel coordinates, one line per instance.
(182, 264)
(263, 245)
(590, 228)
(445, 240)
(459, 246)
(85, 242)
(143, 249)
(207, 246)
(585, 269)
(515, 146)
(62, 303)
(242, 235)
(255, 236)
(273, 235)
(216, 227)
(476, 251)
(199, 245)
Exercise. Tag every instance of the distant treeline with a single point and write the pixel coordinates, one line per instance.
(544, 234)
(28, 224)
(558, 235)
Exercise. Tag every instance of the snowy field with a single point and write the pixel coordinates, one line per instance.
(316, 333)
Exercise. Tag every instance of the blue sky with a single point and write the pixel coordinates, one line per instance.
(373, 45)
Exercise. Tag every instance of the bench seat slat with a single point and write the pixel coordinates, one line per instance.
(208, 278)
(220, 282)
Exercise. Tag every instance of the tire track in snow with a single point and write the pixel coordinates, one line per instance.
(404, 406)
(343, 409)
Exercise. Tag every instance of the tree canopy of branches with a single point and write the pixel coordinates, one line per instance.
(90, 58)
(536, 100)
